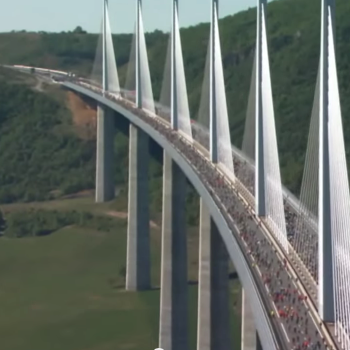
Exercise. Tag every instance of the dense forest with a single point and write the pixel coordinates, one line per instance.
(44, 222)
(38, 155)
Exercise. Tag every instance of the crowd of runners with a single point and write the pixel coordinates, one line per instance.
(288, 308)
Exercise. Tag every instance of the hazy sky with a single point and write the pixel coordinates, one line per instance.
(59, 15)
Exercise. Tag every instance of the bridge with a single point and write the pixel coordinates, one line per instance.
(291, 254)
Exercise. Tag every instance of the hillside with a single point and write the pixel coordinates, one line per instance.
(293, 29)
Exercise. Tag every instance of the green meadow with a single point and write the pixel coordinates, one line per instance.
(65, 290)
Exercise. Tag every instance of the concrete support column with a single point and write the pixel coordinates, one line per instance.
(212, 92)
(325, 223)
(104, 48)
(104, 155)
(250, 339)
(173, 300)
(213, 292)
(258, 343)
(138, 271)
(138, 72)
(260, 171)
(174, 104)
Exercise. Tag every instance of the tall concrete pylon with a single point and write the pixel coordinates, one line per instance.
(110, 79)
(260, 171)
(268, 185)
(105, 131)
(213, 147)
(180, 113)
(250, 338)
(213, 286)
(173, 332)
(220, 141)
(104, 49)
(325, 232)
(213, 327)
(138, 55)
(144, 92)
(138, 266)
(174, 92)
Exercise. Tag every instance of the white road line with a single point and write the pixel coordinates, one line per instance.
(285, 333)
(267, 288)
(274, 306)
(257, 267)
(312, 318)
(310, 313)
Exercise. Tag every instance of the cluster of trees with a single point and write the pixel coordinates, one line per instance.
(38, 153)
(2, 223)
(33, 223)
(36, 158)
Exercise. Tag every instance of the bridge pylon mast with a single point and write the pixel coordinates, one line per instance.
(174, 102)
(325, 245)
(212, 91)
(260, 171)
(138, 54)
(104, 48)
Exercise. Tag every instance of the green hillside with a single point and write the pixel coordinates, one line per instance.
(293, 31)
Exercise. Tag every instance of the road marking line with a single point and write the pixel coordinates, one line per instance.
(274, 306)
(267, 288)
(285, 333)
(257, 267)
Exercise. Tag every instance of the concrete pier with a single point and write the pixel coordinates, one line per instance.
(104, 155)
(213, 292)
(250, 338)
(173, 299)
(258, 343)
(138, 271)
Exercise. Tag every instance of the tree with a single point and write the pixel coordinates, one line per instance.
(2, 222)
(122, 272)
(79, 30)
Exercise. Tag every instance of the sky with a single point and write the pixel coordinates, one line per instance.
(64, 15)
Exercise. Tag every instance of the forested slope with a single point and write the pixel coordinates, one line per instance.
(293, 32)
(38, 154)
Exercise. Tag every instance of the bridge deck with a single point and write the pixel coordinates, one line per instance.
(268, 268)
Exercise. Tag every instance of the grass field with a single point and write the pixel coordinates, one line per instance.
(64, 292)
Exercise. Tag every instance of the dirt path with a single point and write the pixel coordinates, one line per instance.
(84, 117)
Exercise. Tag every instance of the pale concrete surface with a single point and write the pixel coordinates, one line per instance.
(104, 154)
(213, 331)
(138, 270)
(249, 334)
(173, 333)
